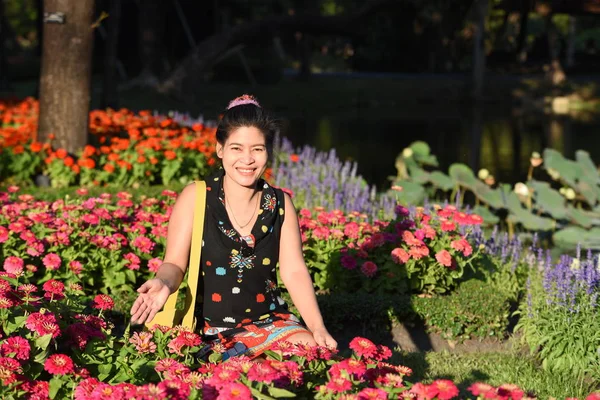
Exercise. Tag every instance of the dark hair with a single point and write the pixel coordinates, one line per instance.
(248, 114)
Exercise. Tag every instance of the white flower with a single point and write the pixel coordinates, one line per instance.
(569, 194)
(407, 152)
(483, 173)
(521, 189)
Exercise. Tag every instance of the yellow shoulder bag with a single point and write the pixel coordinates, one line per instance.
(170, 316)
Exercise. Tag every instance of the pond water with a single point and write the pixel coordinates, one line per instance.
(496, 138)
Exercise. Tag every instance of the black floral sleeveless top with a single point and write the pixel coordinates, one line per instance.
(239, 278)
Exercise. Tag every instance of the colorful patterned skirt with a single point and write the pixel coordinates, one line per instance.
(252, 339)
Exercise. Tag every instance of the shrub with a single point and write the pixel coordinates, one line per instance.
(474, 309)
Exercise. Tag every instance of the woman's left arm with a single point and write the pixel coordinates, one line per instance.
(297, 279)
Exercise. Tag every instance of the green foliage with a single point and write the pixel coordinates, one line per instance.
(534, 206)
(474, 309)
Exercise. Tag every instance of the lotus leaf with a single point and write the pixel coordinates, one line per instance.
(422, 153)
(411, 194)
(462, 175)
(571, 236)
(489, 218)
(588, 179)
(488, 195)
(567, 169)
(580, 217)
(549, 200)
(441, 180)
(418, 175)
(510, 200)
(530, 221)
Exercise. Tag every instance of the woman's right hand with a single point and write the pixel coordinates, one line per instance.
(153, 296)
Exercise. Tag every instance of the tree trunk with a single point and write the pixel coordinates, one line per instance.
(110, 95)
(481, 10)
(66, 74)
(4, 84)
(203, 55)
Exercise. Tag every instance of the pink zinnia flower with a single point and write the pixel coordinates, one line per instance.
(3, 234)
(363, 347)
(14, 265)
(154, 264)
(400, 256)
(59, 364)
(479, 388)
(234, 390)
(369, 268)
(372, 394)
(339, 385)
(16, 345)
(447, 226)
(444, 258)
(462, 245)
(103, 302)
(134, 261)
(76, 267)
(52, 261)
(446, 389)
(321, 232)
(143, 342)
(410, 239)
(262, 372)
(423, 391)
(144, 244)
(352, 230)
(418, 252)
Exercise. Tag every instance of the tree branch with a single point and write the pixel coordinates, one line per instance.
(205, 53)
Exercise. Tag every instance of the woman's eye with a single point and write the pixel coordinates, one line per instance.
(259, 149)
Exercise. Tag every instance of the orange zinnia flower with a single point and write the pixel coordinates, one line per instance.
(170, 155)
(61, 153)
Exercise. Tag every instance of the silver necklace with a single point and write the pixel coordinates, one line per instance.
(235, 219)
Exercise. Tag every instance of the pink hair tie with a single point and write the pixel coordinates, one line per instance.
(243, 99)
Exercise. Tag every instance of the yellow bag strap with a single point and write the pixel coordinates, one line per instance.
(186, 316)
(195, 252)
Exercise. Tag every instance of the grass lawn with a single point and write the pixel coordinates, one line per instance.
(494, 368)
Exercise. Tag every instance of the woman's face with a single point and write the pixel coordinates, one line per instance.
(244, 155)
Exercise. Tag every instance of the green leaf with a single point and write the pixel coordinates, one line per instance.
(531, 221)
(580, 217)
(43, 342)
(568, 170)
(489, 218)
(441, 181)
(463, 175)
(418, 175)
(105, 369)
(569, 237)
(411, 193)
(55, 384)
(549, 200)
(258, 395)
(279, 393)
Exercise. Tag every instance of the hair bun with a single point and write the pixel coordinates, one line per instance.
(243, 99)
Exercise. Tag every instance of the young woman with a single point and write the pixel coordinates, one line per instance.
(250, 228)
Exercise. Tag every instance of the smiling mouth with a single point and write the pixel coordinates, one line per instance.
(246, 170)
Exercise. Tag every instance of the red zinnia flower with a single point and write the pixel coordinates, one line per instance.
(16, 345)
(235, 390)
(53, 286)
(369, 268)
(363, 347)
(59, 364)
(372, 393)
(103, 302)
